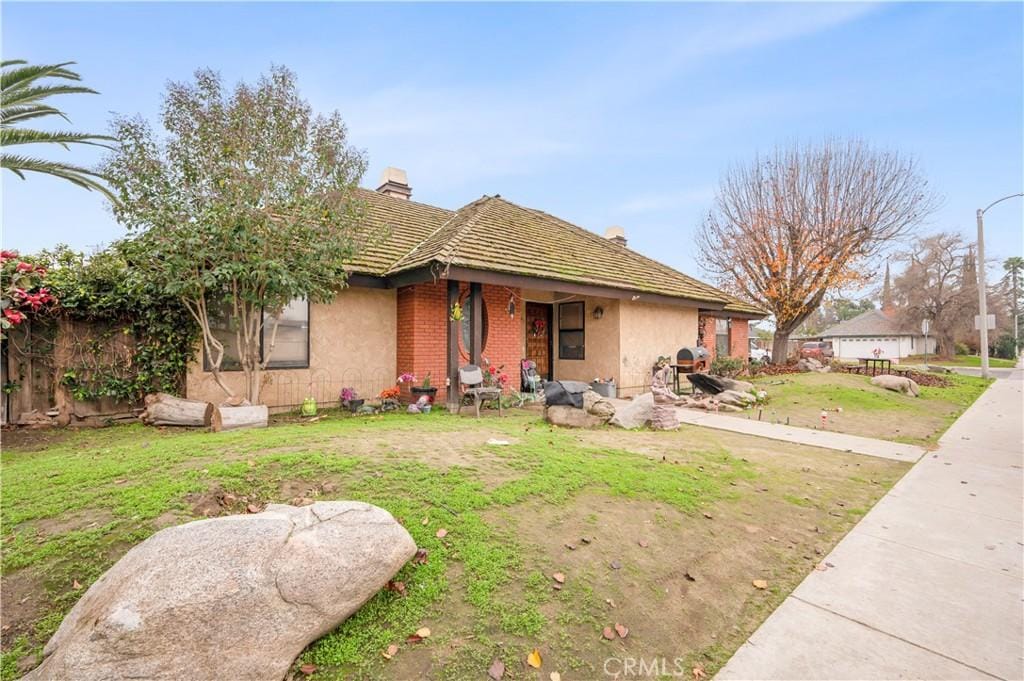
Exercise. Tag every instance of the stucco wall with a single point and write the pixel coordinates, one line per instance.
(601, 337)
(352, 342)
(648, 331)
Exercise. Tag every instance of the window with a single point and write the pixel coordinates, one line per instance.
(571, 336)
(291, 345)
(721, 337)
(466, 327)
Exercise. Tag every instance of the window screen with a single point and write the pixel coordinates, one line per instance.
(571, 333)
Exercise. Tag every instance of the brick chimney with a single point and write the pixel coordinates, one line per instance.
(394, 182)
(616, 234)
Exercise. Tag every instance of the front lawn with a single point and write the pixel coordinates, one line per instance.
(798, 399)
(960, 361)
(668, 531)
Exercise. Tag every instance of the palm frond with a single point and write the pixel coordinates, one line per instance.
(18, 114)
(83, 177)
(24, 75)
(29, 95)
(12, 136)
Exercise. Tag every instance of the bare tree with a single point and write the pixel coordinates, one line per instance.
(807, 220)
(935, 284)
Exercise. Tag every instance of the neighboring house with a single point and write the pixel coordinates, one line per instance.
(875, 330)
(530, 285)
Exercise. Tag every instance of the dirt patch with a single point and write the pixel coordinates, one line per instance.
(32, 439)
(81, 520)
(24, 602)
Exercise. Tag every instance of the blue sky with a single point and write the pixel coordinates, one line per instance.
(599, 113)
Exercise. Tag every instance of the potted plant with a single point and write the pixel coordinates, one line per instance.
(350, 400)
(425, 389)
(389, 399)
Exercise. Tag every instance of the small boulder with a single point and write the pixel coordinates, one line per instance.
(236, 597)
(635, 413)
(738, 386)
(736, 398)
(807, 364)
(571, 417)
(900, 384)
(594, 403)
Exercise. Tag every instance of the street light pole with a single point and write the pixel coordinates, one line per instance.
(983, 286)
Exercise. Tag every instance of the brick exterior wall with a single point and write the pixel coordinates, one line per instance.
(739, 338)
(423, 332)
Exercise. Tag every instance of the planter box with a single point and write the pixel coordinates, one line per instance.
(604, 388)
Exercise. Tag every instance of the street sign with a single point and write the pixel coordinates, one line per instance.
(926, 326)
(991, 321)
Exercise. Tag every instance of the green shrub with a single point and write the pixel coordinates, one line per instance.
(962, 349)
(727, 366)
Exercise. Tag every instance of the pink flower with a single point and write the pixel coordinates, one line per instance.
(14, 316)
(24, 267)
(8, 255)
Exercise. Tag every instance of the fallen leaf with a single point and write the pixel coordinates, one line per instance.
(497, 670)
(584, 540)
(558, 577)
(425, 521)
(607, 633)
(423, 632)
(413, 638)
(689, 577)
(534, 659)
(556, 586)
(643, 544)
(390, 652)
(708, 516)
(397, 587)
(571, 547)
(76, 585)
(421, 557)
(610, 602)
(555, 676)
(698, 673)
(252, 508)
(621, 630)
(615, 565)
(760, 584)
(442, 533)
(308, 668)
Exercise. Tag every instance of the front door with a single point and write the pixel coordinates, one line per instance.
(538, 337)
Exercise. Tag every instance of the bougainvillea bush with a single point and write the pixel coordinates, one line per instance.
(24, 289)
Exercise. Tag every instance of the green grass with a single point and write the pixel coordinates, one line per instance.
(866, 409)
(961, 361)
(128, 476)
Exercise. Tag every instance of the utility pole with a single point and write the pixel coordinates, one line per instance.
(983, 286)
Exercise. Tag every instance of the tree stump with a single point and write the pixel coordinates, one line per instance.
(231, 418)
(167, 410)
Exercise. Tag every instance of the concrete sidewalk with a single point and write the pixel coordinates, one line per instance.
(929, 584)
(803, 436)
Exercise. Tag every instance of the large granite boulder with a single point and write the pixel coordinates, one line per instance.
(636, 413)
(900, 384)
(571, 417)
(236, 597)
(737, 385)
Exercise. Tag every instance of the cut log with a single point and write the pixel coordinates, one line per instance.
(167, 410)
(230, 418)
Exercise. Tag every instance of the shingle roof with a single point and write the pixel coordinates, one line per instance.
(870, 323)
(496, 235)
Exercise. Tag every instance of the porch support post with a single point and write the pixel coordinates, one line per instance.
(476, 343)
(453, 345)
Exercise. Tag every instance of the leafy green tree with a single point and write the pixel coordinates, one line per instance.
(1013, 287)
(24, 90)
(247, 203)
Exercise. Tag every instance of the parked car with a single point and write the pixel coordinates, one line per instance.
(759, 355)
(819, 350)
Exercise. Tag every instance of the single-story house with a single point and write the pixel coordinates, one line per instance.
(875, 330)
(529, 285)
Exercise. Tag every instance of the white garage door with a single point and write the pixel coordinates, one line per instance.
(855, 348)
